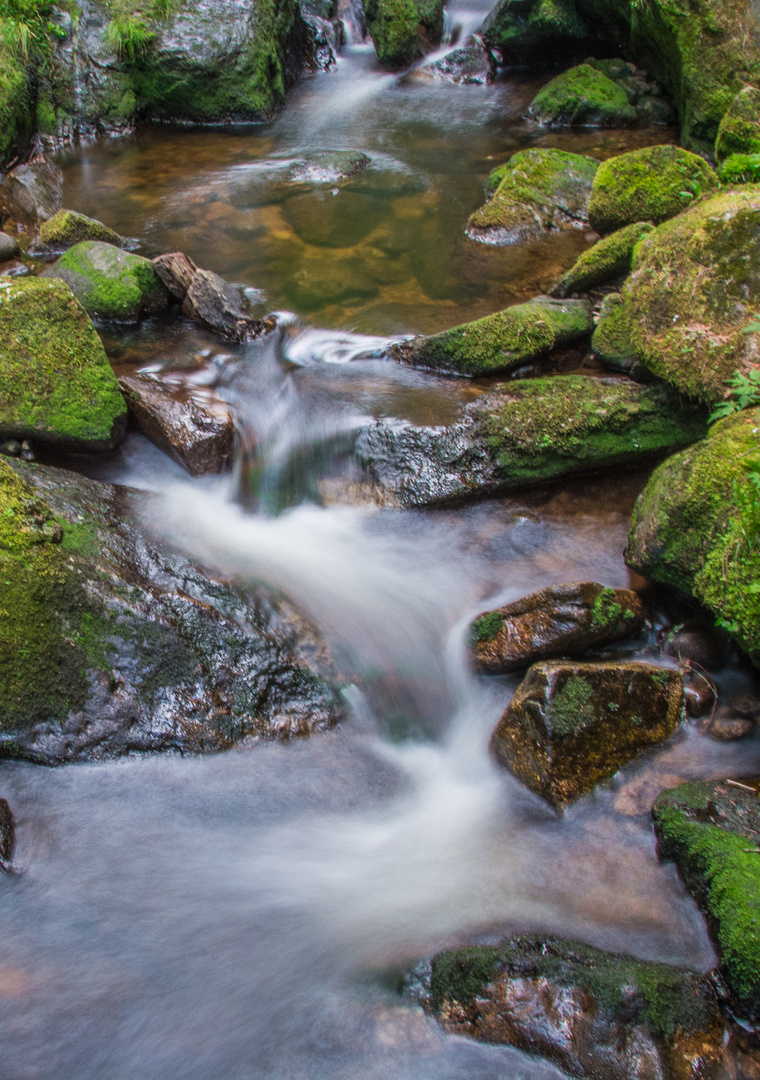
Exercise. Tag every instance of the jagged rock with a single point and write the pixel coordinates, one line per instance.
(595, 1014)
(111, 284)
(57, 384)
(197, 433)
(177, 272)
(608, 259)
(570, 725)
(527, 432)
(213, 302)
(473, 63)
(66, 228)
(113, 644)
(559, 621)
(30, 194)
(9, 248)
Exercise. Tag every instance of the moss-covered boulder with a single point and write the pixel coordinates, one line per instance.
(710, 830)
(691, 300)
(111, 284)
(652, 184)
(608, 259)
(739, 131)
(695, 526)
(527, 432)
(403, 30)
(57, 384)
(582, 97)
(501, 342)
(611, 341)
(559, 621)
(536, 30)
(595, 1014)
(111, 644)
(570, 725)
(67, 228)
(537, 191)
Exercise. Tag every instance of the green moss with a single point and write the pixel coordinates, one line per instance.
(67, 228)
(485, 628)
(609, 258)
(57, 382)
(606, 611)
(582, 96)
(15, 98)
(570, 708)
(612, 337)
(740, 169)
(462, 974)
(547, 28)
(397, 27)
(739, 131)
(109, 283)
(651, 184)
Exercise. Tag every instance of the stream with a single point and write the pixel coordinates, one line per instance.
(245, 916)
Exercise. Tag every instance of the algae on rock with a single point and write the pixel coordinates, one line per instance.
(67, 228)
(609, 258)
(403, 30)
(739, 131)
(111, 284)
(585, 97)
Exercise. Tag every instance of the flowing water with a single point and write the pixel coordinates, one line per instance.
(241, 916)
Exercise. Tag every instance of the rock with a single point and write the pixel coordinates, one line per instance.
(16, 122)
(197, 433)
(403, 30)
(58, 387)
(692, 521)
(689, 304)
(594, 1014)
(502, 342)
(526, 432)
(559, 621)
(611, 341)
(570, 725)
(221, 307)
(582, 97)
(699, 695)
(651, 184)
(748, 706)
(739, 131)
(538, 30)
(329, 167)
(325, 36)
(112, 644)
(67, 228)
(177, 272)
(473, 63)
(726, 727)
(7, 835)
(536, 192)
(14, 269)
(696, 645)
(110, 283)
(9, 248)
(608, 259)
(30, 194)
(711, 831)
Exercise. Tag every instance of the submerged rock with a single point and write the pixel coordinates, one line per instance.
(739, 131)
(570, 725)
(499, 343)
(473, 63)
(527, 432)
(595, 1014)
(329, 167)
(559, 621)
(403, 30)
(651, 184)
(113, 644)
(58, 388)
(110, 283)
(197, 433)
(582, 97)
(710, 830)
(67, 228)
(608, 259)
(537, 191)
(30, 194)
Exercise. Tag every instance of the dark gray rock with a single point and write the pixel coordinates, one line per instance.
(30, 194)
(213, 302)
(473, 63)
(177, 272)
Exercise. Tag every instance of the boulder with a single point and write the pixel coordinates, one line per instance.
(221, 307)
(690, 303)
(612, 342)
(651, 184)
(559, 621)
(739, 131)
(403, 30)
(67, 228)
(570, 725)
(196, 431)
(328, 167)
(594, 1014)
(502, 342)
(582, 97)
(695, 523)
(608, 259)
(112, 644)
(111, 284)
(9, 248)
(473, 63)
(536, 30)
(58, 387)
(177, 272)
(30, 194)
(527, 432)
(710, 830)
(536, 192)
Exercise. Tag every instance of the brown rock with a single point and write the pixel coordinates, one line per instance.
(570, 725)
(32, 193)
(177, 272)
(727, 726)
(199, 434)
(702, 646)
(562, 620)
(699, 695)
(214, 303)
(7, 835)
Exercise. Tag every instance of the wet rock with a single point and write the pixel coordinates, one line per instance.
(67, 228)
(570, 725)
(652, 184)
(526, 432)
(595, 1014)
(473, 63)
(559, 621)
(325, 38)
(113, 644)
(692, 521)
(739, 131)
(403, 30)
(699, 645)
(199, 434)
(7, 835)
(608, 259)
(30, 194)
(177, 272)
(747, 705)
(536, 192)
(536, 30)
(15, 269)
(637, 797)
(502, 342)
(214, 303)
(111, 284)
(699, 695)
(58, 386)
(329, 167)
(711, 830)
(582, 97)
(9, 248)
(726, 727)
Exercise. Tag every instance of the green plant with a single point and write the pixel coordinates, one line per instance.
(745, 388)
(130, 38)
